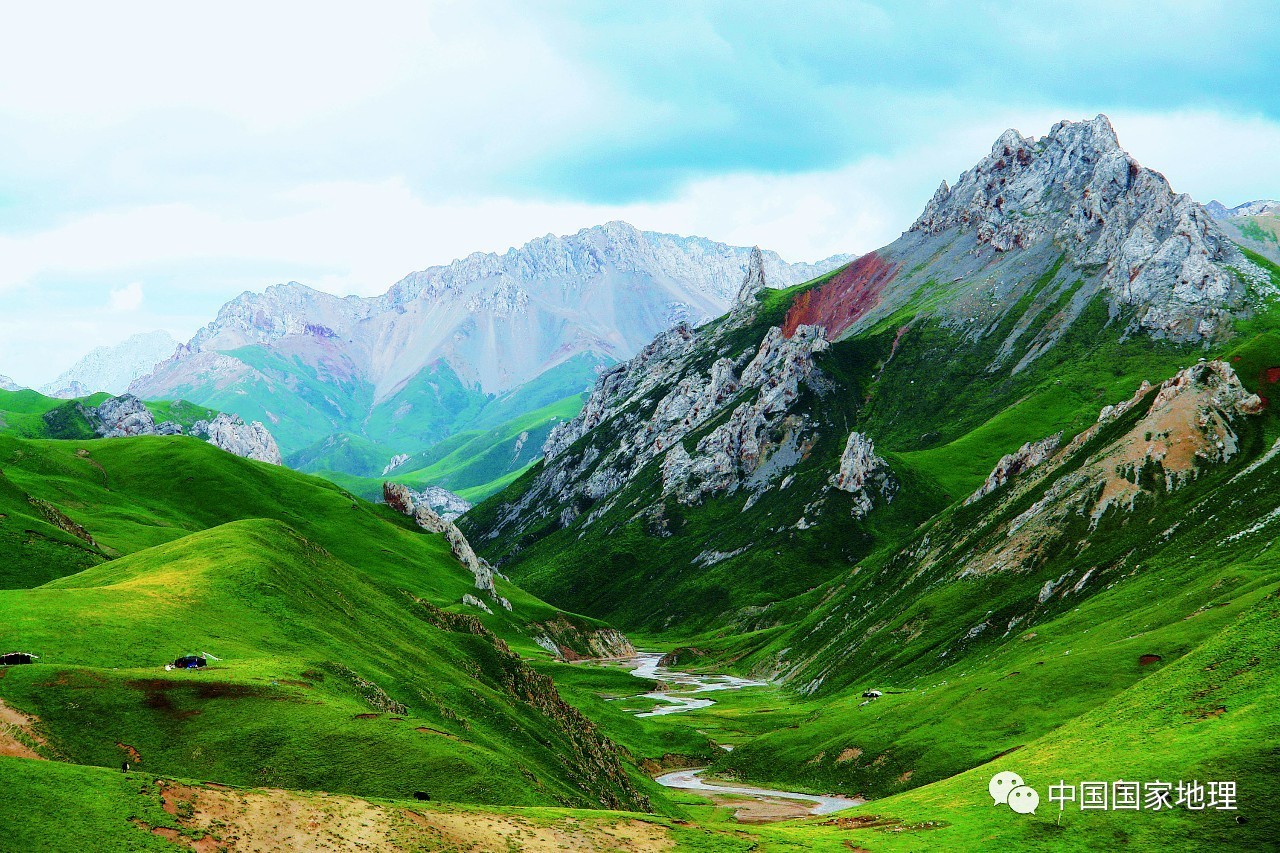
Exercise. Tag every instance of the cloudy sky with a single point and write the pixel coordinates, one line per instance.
(158, 159)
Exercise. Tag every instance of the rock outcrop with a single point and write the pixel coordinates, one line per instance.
(1156, 250)
(864, 474)
(1011, 465)
(643, 410)
(127, 416)
(232, 434)
(1188, 425)
(571, 641)
(123, 417)
(442, 502)
(754, 283)
(396, 461)
(401, 499)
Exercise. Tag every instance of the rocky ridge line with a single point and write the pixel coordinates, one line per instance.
(1156, 250)
(652, 402)
(401, 499)
(864, 474)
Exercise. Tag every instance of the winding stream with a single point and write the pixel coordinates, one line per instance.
(683, 695)
(684, 686)
(691, 780)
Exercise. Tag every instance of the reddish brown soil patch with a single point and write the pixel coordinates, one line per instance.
(1147, 660)
(134, 756)
(367, 716)
(838, 303)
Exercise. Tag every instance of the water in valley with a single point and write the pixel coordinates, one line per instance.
(686, 692)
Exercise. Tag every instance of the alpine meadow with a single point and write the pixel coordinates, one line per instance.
(621, 539)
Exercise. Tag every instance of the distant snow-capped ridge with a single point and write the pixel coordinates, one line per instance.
(113, 368)
(7, 384)
(497, 319)
(1218, 210)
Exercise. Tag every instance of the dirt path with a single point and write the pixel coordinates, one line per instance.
(239, 821)
(17, 732)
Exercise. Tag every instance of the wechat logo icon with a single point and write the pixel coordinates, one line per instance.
(1008, 789)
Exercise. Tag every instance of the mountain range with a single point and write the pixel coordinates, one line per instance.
(1218, 210)
(1027, 450)
(349, 384)
(113, 368)
(1255, 224)
(998, 497)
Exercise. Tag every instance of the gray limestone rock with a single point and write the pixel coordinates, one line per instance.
(232, 434)
(401, 499)
(864, 474)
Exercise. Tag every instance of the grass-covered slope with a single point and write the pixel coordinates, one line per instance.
(30, 414)
(327, 417)
(934, 410)
(474, 463)
(339, 670)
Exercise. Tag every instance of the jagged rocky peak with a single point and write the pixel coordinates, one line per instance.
(7, 384)
(441, 501)
(401, 499)
(864, 474)
(754, 282)
(643, 410)
(629, 380)
(1154, 248)
(1259, 207)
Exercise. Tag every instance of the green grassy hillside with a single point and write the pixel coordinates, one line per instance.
(326, 417)
(474, 463)
(336, 660)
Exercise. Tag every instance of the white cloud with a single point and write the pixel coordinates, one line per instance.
(361, 236)
(1205, 153)
(125, 299)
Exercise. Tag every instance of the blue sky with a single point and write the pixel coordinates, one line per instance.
(157, 159)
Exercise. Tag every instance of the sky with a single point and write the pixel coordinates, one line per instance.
(157, 159)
